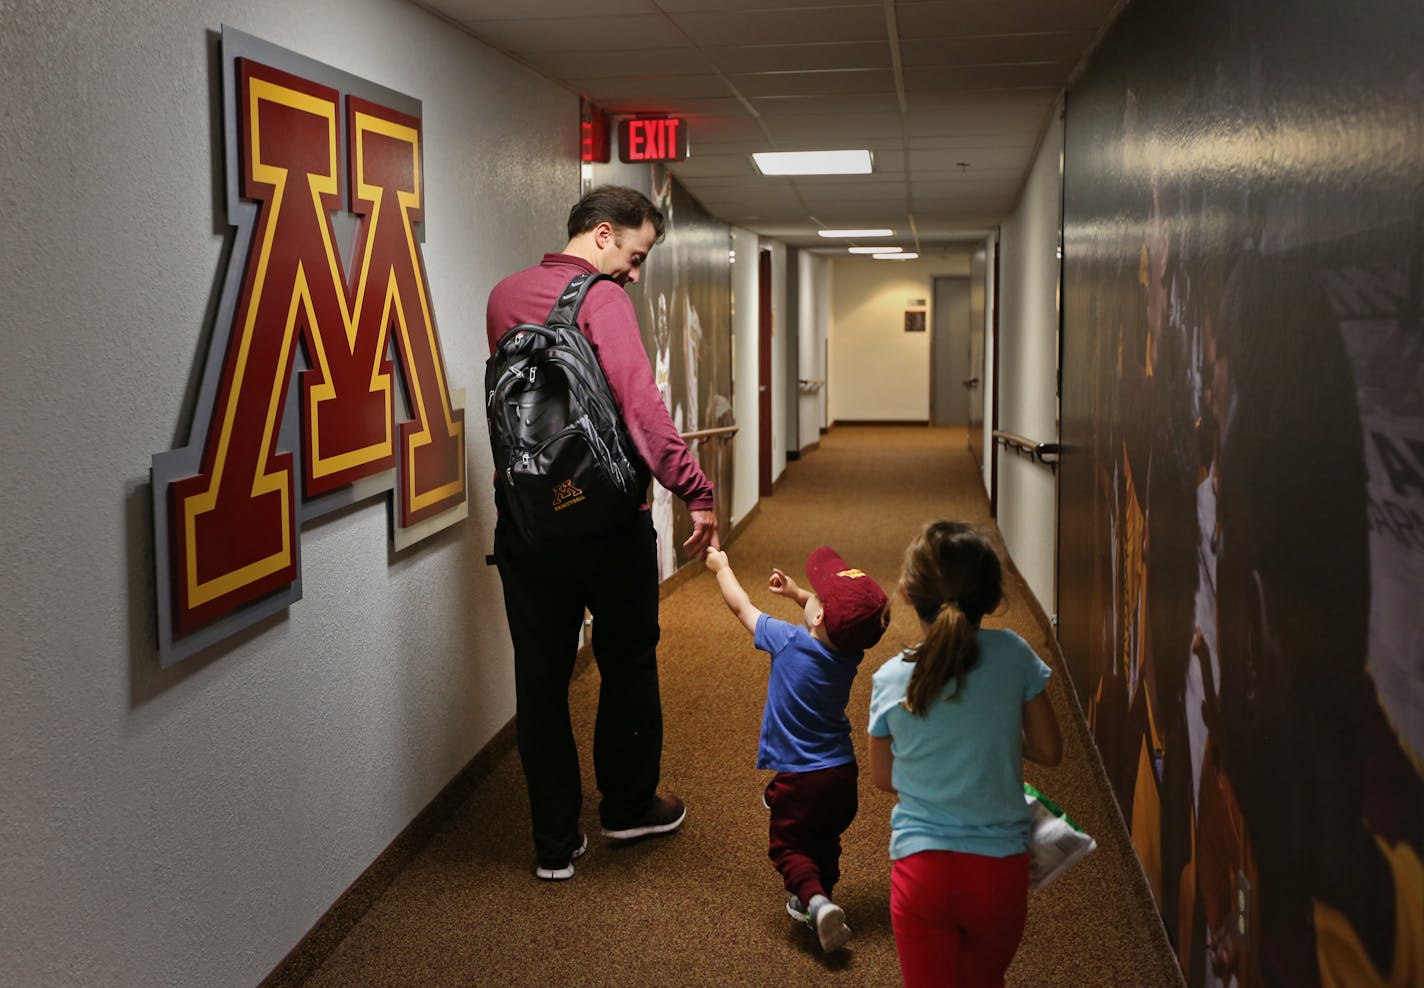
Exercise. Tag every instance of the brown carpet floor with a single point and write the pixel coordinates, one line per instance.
(704, 906)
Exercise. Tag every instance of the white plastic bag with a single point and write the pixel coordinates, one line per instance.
(1055, 842)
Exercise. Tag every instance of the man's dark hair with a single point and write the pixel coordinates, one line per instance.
(625, 208)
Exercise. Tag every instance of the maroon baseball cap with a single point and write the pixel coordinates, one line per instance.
(855, 606)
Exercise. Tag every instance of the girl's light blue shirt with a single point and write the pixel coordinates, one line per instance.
(959, 768)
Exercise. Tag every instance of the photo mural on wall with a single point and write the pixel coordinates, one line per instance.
(1242, 490)
(684, 307)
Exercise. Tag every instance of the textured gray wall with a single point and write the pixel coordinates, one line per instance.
(186, 827)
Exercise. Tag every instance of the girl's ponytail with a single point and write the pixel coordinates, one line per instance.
(947, 653)
(952, 578)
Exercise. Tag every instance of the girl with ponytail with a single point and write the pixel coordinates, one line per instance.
(951, 720)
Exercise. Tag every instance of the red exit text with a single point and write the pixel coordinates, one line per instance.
(652, 139)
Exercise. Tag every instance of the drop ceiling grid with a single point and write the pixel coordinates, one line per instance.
(979, 78)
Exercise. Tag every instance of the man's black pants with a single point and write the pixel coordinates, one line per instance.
(546, 589)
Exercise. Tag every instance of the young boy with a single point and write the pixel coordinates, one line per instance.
(805, 736)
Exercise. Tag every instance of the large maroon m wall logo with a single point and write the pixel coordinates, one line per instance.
(324, 382)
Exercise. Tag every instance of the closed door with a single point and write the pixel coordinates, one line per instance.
(952, 383)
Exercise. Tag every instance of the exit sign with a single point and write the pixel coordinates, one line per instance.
(652, 139)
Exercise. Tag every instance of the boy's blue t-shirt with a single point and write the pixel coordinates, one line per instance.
(959, 768)
(804, 726)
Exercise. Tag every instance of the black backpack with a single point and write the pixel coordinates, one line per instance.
(567, 467)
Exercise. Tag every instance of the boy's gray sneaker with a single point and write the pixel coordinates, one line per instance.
(567, 871)
(828, 920)
(798, 912)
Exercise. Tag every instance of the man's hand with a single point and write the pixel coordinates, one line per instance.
(704, 533)
(716, 559)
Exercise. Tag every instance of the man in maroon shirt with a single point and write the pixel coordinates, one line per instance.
(613, 574)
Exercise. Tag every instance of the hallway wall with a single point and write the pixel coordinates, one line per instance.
(1244, 482)
(877, 371)
(782, 331)
(987, 372)
(744, 372)
(814, 316)
(1028, 368)
(187, 826)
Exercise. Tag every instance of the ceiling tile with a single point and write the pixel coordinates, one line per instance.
(469, 11)
(721, 6)
(839, 82)
(800, 57)
(948, 159)
(961, 190)
(651, 89)
(1050, 76)
(816, 124)
(843, 24)
(632, 32)
(1063, 46)
(958, 125)
(864, 106)
(682, 106)
(731, 134)
(566, 65)
(968, 18)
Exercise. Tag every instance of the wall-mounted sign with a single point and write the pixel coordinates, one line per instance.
(652, 139)
(593, 133)
(914, 320)
(322, 385)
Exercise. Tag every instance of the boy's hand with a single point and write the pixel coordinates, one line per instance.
(732, 593)
(782, 585)
(716, 559)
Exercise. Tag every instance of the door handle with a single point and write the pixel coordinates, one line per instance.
(971, 382)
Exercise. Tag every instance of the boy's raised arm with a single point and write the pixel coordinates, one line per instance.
(737, 600)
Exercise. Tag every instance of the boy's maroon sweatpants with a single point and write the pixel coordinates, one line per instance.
(809, 812)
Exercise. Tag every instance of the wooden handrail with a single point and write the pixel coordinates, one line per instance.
(1046, 453)
(723, 432)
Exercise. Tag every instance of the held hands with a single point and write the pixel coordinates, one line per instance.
(782, 585)
(704, 533)
(716, 559)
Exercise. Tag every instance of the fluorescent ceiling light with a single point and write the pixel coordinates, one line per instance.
(855, 234)
(902, 256)
(812, 162)
(874, 250)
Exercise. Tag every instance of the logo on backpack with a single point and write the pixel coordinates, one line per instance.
(566, 495)
(555, 431)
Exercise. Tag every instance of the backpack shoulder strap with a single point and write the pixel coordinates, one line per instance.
(566, 308)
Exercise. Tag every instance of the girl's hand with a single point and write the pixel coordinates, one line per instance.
(716, 559)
